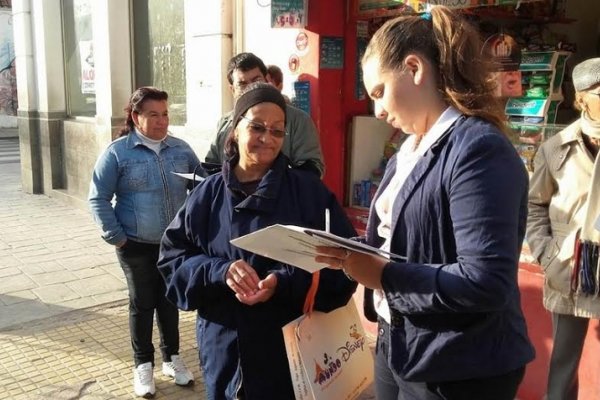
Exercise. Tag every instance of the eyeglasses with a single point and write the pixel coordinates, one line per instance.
(260, 129)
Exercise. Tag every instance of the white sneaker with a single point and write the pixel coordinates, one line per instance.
(143, 380)
(176, 369)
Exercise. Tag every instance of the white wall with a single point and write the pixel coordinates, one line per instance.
(208, 44)
(273, 46)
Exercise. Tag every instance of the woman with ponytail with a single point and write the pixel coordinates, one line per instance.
(564, 205)
(452, 206)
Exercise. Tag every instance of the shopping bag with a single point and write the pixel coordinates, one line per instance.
(328, 354)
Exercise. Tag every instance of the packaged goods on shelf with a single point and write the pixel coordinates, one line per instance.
(532, 117)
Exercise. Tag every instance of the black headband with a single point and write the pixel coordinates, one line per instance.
(263, 93)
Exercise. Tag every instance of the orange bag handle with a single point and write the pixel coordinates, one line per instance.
(309, 302)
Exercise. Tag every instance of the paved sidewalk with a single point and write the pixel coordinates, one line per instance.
(52, 259)
(64, 331)
(53, 267)
(85, 354)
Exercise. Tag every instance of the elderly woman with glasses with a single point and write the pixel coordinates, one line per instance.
(564, 205)
(242, 299)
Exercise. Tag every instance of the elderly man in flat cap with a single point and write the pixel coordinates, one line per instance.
(564, 202)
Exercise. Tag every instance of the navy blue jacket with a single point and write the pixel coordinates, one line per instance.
(460, 220)
(239, 342)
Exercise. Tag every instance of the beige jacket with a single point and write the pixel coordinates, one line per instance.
(558, 193)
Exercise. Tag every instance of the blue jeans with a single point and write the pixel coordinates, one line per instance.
(146, 294)
(390, 386)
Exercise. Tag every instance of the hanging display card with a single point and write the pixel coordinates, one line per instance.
(302, 96)
(332, 53)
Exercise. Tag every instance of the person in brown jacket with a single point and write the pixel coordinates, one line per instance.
(563, 207)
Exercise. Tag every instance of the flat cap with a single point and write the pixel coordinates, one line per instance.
(586, 74)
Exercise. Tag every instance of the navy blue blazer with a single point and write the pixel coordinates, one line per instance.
(460, 220)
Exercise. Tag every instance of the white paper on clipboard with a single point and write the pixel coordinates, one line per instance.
(295, 245)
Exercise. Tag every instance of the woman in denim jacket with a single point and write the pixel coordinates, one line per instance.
(137, 170)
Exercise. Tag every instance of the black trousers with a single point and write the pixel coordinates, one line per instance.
(147, 294)
(389, 386)
(568, 333)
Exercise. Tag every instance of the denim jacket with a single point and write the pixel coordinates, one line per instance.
(147, 193)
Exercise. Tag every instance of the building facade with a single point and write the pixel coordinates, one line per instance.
(79, 60)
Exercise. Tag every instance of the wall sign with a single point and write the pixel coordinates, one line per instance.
(332, 53)
(288, 13)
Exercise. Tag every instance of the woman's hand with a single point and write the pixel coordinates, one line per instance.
(266, 289)
(363, 268)
(246, 284)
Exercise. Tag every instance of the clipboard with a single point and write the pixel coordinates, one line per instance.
(295, 245)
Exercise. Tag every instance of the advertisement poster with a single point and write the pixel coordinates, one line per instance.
(288, 13)
(88, 78)
(506, 54)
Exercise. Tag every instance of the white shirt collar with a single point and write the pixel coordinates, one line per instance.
(440, 126)
(146, 139)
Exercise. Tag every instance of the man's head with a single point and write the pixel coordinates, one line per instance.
(275, 76)
(243, 69)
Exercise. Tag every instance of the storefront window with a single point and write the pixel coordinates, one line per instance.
(159, 41)
(79, 57)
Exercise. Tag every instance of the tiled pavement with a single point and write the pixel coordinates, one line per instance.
(52, 259)
(85, 354)
(63, 310)
(63, 314)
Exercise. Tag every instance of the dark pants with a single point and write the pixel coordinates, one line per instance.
(146, 294)
(389, 386)
(569, 336)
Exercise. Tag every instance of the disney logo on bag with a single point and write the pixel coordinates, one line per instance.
(351, 346)
(324, 375)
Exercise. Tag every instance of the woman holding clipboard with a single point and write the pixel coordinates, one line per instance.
(453, 201)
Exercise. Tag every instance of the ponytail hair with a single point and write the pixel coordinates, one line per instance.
(136, 104)
(454, 47)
